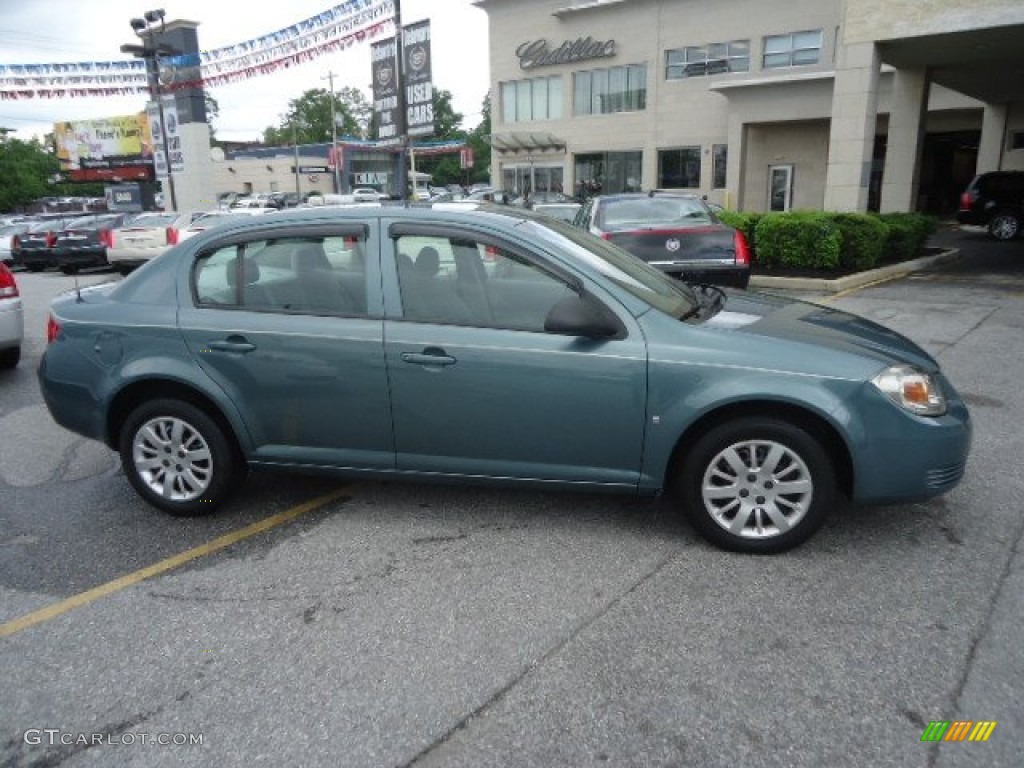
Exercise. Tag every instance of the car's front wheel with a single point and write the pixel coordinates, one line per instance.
(757, 485)
(178, 458)
(1004, 225)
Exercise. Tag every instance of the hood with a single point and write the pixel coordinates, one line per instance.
(793, 320)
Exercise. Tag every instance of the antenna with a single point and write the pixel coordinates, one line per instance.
(78, 290)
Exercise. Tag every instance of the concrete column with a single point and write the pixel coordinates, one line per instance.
(194, 187)
(901, 179)
(993, 134)
(852, 134)
(736, 167)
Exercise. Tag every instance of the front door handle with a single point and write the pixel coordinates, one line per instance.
(429, 356)
(233, 343)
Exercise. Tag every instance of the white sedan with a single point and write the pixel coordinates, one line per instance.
(147, 237)
(12, 319)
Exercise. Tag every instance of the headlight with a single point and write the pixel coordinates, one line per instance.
(912, 390)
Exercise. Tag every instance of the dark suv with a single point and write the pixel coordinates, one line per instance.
(995, 200)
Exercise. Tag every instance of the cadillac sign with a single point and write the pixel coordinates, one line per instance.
(538, 53)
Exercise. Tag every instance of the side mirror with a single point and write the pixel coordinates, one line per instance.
(582, 315)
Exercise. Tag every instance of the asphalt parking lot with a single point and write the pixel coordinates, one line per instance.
(320, 623)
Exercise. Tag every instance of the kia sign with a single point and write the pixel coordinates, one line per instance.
(419, 90)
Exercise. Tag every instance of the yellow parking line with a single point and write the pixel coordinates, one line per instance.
(214, 545)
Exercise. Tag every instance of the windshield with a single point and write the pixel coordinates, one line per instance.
(621, 267)
(632, 212)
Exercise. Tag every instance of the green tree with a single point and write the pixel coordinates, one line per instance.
(478, 142)
(446, 169)
(308, 120)
(28, 171)
(212, 113)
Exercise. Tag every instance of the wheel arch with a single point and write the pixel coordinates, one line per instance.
(138, 392)
(806, 419)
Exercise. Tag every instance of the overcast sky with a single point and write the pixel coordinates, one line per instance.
(56, 31)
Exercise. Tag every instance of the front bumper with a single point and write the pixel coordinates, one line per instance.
(909, 458)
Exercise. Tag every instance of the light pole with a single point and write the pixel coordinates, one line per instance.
(148, 52)
(334, 135)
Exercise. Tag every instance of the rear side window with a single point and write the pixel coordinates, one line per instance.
(305, 275)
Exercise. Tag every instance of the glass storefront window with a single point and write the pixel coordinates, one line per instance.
(679, 168)
(720, 156)
(607, 173)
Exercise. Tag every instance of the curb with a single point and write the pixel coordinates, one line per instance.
(859, 280)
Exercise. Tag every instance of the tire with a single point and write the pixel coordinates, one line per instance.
(1004, 225)
(155, 435)
(69, 269)
(35, 267)
(9, 358)
(749, 511)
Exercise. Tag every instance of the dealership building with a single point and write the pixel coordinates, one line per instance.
(760, 105)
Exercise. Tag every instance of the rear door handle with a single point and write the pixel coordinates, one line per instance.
(237, 344)
(429, 356)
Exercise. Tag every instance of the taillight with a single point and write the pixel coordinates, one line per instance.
(742, 248)
(51, 239)
(15, 243)
(172, 236)
(107, 238)
(52, 329)
(965, 201)
(8, 286)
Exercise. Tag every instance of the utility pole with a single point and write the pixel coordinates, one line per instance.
(403, 183)
(334, 135)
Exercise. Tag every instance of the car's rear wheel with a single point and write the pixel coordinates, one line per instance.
(757, 485)
(1004, 225)
(178, 458)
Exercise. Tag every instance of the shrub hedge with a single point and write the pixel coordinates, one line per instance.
(831, 241)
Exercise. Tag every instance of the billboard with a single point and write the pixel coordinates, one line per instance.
(163, 118)
(419, 90)
(105, 149)
(385, 90)
(417, 84)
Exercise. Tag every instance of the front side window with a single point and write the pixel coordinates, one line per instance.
(792, 49)
(679, 168)
(538, 98)
(322, 275)
(711, 59)
(457, 280)
(607, 91)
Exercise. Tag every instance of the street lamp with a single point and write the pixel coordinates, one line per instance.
(149, 52)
